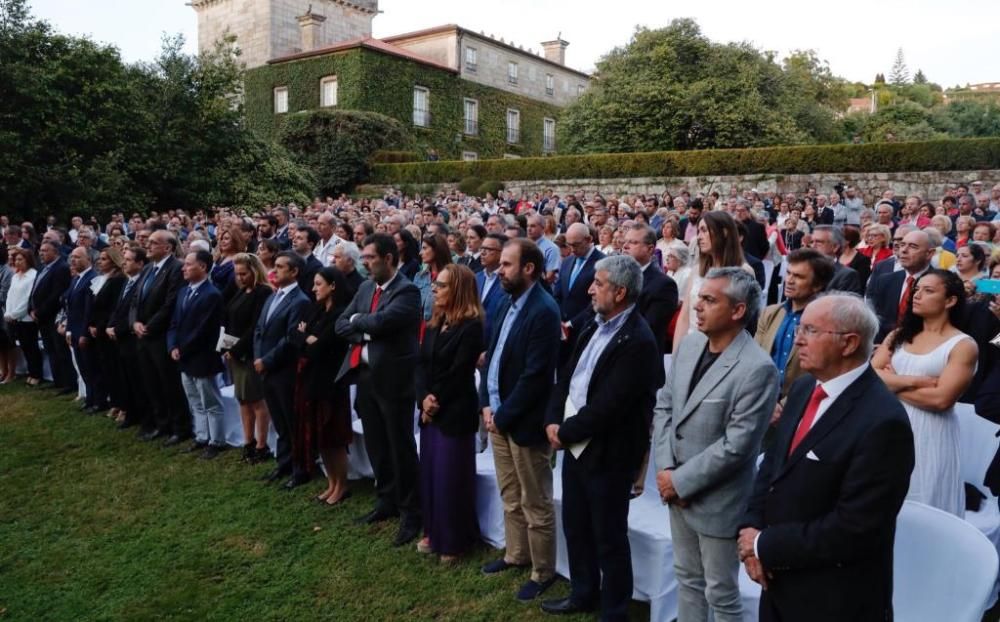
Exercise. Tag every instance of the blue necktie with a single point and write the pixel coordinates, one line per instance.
(187, 299)
(148, 283)
(576, 270)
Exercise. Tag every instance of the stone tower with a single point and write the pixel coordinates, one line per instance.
(267, 29)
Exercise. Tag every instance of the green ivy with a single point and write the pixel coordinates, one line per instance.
(939, 155)
(377, 82)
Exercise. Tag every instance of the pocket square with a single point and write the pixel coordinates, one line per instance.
(812, 456)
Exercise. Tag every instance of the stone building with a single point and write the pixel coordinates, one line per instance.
(465, 94)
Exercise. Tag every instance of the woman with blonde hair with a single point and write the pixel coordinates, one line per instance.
(231, 243)
(446, 394)
(879, 244)
(108, 289)
(241, 314)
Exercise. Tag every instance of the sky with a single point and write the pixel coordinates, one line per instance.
(858, 38)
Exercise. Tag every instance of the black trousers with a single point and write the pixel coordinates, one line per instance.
(87, 363)
(595, 523)
(167, 409)
(125, 383)
(279, 393)
(63, 374)
(26, 334)
(388, 423)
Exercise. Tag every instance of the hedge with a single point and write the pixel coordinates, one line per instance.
(395, 157)
(940, 155)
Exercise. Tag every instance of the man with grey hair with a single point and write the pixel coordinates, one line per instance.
(600, 412)
(818, 533)
(328, 240)
(536, 233)
(829, 240)
(709, 421)
(347, 258)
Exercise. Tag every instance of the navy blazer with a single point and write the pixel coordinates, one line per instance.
(827, 513)
(527, 368)
(49, 288)
(155, 308)
(883, 294)
(274, 337)
(307, 274)
(574, 302)
(658, 303)
(620, 397)
(194, 330)
(79, 302)
(494, 300)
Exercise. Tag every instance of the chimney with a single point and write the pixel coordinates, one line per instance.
(555, 51)
(309, 25)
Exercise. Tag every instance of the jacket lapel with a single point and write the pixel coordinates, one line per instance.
(715, 374)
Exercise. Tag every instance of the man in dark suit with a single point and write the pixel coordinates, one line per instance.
(688, 225)
(755, 241)
(281, 233)
(818, 533)
(46, 300)
(575, 275)
(275, 359)
(346, 258)
(513, 394)
(752, 260)
(658, 298)
(303, 243)
(79, 300)
(152, 307)
(600, 412)
(191, 340)
(126, 395)
(829, 240)
(382, 323)
(491, 292)
(890, 293)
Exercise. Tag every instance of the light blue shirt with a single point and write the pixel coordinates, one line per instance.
(550, 252)
(606, 331)
(493, 375)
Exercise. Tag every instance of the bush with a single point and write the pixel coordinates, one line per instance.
(939, 155)
(337, 144)
(470, 185)
(489, 187)
(394, 157)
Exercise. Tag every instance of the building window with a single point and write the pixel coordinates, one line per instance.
(471, 59)
(511, 72)
(550, 84)
(549, 135)
(281, 100)
(421, 106)
(470, 156)
(513, 126)
(471, 117)
(579, 89)
(328, 91)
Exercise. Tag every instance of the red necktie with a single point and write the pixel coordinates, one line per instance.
(356, 350)
(904, 302)
(805, 424)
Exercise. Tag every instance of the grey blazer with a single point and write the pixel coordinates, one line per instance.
(711, 439)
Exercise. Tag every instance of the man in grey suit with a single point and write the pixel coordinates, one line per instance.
(710, 418)
(275, 357)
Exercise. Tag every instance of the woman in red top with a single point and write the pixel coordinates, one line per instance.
(878, 248)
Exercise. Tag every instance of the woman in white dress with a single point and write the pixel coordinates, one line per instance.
(929, 363)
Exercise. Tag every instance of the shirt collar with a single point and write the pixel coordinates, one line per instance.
(159, 264)
(287, 288)
(385, 286)
(614, 323)
(515, 303)
(788, 308)
(84, 273)
(835, 386)
(194, 286)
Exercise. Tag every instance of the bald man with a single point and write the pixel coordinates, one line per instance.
(575, 277)
(889, 294)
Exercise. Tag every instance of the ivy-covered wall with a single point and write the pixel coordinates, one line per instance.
(370, 80)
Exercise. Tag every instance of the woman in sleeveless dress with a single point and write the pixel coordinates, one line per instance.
(929, 363)
(718, 246)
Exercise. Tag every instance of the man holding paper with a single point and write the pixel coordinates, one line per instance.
(709, 421)
(600, 413)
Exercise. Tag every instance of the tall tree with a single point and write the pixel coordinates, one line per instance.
(919, 77)
(899, 75)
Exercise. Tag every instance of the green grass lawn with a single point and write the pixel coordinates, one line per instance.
(95, 525)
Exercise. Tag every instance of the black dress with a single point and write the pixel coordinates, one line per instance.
(240, 319)
(109, 375)
(322, 406)
(863, 266)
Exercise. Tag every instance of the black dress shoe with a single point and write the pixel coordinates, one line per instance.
(152, 435)
(376, 516)
(273, 475)
(211, 452)
(295, 481)
(406, 534)
(195, 446)
(173, 441)
(565, 606)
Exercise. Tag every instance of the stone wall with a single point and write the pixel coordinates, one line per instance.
(247, 19)
(930, 185)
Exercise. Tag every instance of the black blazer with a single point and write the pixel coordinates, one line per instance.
(323, 357)
(46, 299)
(104, 304)
(980, 324)
(863, 266)
(79, 303)
(527, 365)
(447, 370)
(574, 302)
(620, 398)
(828, 525)
(658, 303)
(845, 280)
(307, 274)
(758, 268)
(393, 328)
(887, 266)
(410, 268)
(119, 319)
(194, 330)
(354, 279)
(240, 319)
(883, 294)
(158, 305)
(755, 241)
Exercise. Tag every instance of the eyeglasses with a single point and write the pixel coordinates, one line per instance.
(810, 331)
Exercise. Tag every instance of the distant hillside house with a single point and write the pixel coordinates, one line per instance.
(465, 94)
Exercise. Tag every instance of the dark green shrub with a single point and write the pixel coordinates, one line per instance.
(470, 185)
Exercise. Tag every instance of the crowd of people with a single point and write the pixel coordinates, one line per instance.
(697, 331)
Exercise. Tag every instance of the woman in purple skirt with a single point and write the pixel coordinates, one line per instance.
(449, 419)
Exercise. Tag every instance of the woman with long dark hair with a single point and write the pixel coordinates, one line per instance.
(322, 406)
(409, 250)
(435, 255)
(928, 362)
(446, 394)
